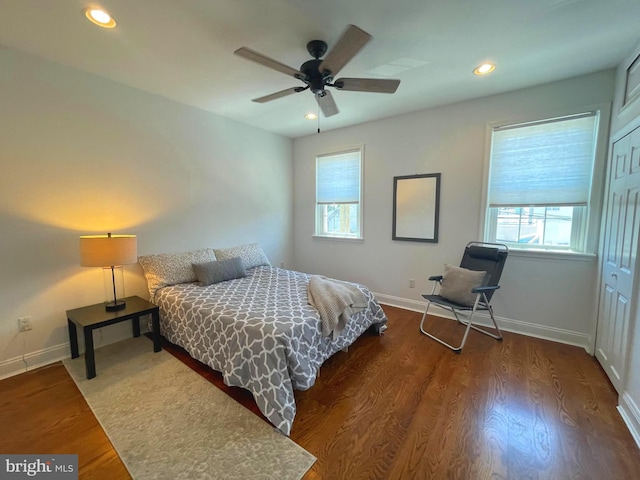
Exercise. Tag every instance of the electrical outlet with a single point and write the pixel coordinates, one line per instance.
(412, 283)
(24, 324)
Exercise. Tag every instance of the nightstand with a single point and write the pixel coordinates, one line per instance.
(95, 316)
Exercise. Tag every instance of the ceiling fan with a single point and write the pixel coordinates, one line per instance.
(320, 73)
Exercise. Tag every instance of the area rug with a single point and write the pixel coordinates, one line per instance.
(167, 422)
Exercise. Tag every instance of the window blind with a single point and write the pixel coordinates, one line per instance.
(548, 163)
(338, 178)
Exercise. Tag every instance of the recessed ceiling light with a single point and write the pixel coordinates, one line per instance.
(311, 116)
(99, 17)
(484, 69)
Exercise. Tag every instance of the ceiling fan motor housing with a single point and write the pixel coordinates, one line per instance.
(313, 77)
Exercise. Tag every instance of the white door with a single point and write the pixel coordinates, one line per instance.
(622, 225)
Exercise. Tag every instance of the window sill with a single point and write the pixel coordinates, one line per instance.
(338, 239)
(553, 255)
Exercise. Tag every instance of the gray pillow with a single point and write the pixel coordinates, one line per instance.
(220, 271)
(457, 283)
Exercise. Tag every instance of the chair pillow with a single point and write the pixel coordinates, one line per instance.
(165, 269)
(457, 283)
(251, 255)
(219, 271)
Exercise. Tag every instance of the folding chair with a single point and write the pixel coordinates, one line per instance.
(467, 292)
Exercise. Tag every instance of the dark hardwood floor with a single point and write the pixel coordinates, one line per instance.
(399, 406)
(43, 412)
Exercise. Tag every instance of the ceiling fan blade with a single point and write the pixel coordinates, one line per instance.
(350, 43)
(281, 93)
(374, 85)
(327, 104)
(267, 62)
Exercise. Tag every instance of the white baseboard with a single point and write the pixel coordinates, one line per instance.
(33, 360)
(404, 303)
(510, 325)
(631, 415)
(46, 356)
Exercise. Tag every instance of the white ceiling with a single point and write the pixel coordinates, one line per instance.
(183, 49)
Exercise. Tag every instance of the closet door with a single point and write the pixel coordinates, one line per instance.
(622, 228)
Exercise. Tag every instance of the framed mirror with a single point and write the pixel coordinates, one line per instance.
(416, 206)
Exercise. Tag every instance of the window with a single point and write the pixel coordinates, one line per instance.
(339, 194)
(539, 186)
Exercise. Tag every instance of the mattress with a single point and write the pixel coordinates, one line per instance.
(260, 333)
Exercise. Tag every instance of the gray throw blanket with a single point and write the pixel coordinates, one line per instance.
(336, 301)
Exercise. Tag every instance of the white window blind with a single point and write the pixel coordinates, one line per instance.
(548, 163)
(338, 178)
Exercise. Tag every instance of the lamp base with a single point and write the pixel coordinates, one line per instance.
(115, 306)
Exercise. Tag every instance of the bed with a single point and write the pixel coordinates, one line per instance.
(258, 330)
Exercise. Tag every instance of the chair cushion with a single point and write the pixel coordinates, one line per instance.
(457, 283)
(485, 253)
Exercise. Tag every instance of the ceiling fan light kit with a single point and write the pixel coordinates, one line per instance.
(319, 73)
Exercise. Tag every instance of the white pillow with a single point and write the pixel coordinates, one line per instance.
(251, 255)
(457, 283)
(164, 269)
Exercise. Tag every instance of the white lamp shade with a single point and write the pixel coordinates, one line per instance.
(108, 250)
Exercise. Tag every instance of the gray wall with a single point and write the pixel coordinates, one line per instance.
(551, 297)
(80, 154)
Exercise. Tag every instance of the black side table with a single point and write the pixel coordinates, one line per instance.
(95, 316)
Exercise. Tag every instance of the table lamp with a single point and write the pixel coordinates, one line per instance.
(110, 252)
